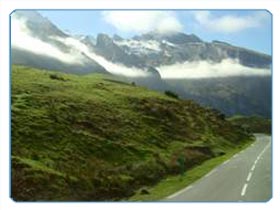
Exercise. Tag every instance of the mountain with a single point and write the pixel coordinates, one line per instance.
(39, 43)
(152, 49)
(36, 42)
(93, 138)
(172, 37)
(250, 95)
(36, 23)
(242, 87)
(179, 47)
(179, 62)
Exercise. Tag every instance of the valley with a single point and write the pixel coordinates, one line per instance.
(103, 116)
(94, 138)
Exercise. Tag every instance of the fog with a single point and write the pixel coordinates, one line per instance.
(113, 68)
(208, 69)
(22, 39)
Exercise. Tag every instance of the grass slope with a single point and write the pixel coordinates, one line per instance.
(255, 124)
(172, 184)
(85, 138)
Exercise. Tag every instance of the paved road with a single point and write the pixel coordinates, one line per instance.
(245, 177)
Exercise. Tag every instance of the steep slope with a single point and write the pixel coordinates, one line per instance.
(37, 42)
(94, 138)
(158, 49)
(250, 95)
(253, 124)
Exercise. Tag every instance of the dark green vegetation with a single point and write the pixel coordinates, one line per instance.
(173, 184)
(92, 138)
(171, 94)
(254, 124)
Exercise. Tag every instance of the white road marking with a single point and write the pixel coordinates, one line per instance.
(243, 192)
(180, 192)
(211, 172)
(264, 149)
(226, 162)
(249, 176)
(245, 186)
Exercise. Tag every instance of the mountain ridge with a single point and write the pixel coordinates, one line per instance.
(163, 49)
(151, 60)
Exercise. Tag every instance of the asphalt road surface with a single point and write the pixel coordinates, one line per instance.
(247, 176)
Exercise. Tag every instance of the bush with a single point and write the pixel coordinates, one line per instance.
(171, 94)
(56, 77)
(218, 113)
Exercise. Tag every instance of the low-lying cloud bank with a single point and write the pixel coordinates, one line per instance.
(113, 68)
(79, 53)
(207, 69)
(21, 38)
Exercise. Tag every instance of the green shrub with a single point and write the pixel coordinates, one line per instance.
(171, 94)
(57, 77)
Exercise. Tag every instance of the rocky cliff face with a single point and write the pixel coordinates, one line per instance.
(154, 49)
(106, 47)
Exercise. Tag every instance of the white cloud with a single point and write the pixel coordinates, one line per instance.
(206, 69)
(113, 68)
(116, 68)
(21, 38)
(229, 23)
(143, 21)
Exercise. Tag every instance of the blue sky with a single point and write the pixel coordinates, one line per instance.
(246, 28)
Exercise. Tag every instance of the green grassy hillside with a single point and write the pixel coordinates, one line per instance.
(255, 124)
(93, 138)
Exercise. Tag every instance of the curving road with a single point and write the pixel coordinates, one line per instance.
(247, 176)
